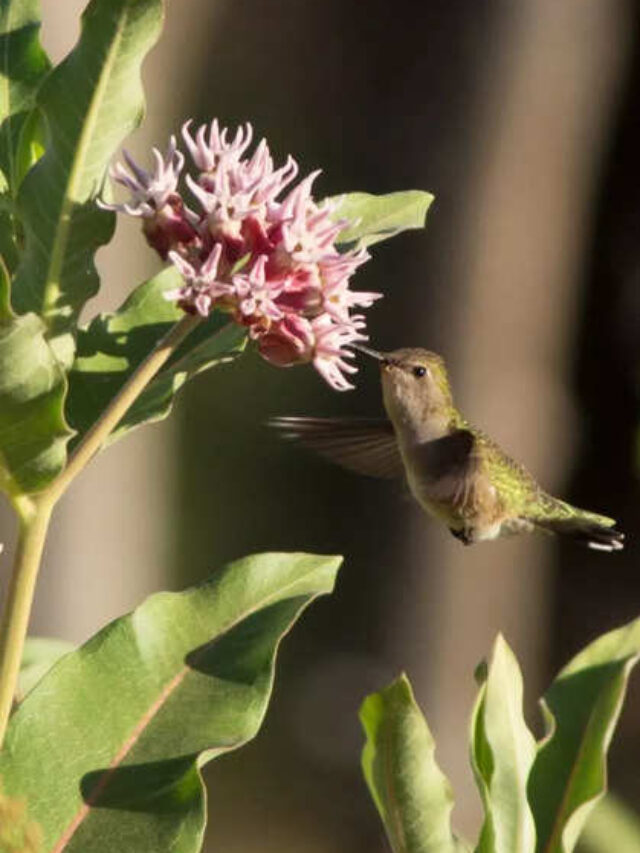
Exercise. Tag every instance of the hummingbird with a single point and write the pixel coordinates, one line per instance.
(454, 471)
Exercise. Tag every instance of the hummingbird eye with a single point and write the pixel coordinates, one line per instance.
(419, 371)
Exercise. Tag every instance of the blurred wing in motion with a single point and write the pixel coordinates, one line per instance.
(364, 445)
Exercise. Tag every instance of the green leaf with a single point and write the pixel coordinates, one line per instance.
(33, 431)
(40, 653)
(107, 748)
(23, 65)
(379, 217)
(114, 344)
(581, 709)
(502, 753)
(6, 314)
(31, 144)
(91, 101)
(412, 795)
(9, 251)
(612, 827)
(18, 834)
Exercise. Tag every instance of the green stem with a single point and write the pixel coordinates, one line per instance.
(34, 522)
(94, 438)
(35, 514)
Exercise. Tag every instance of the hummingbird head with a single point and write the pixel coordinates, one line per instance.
(415, 388)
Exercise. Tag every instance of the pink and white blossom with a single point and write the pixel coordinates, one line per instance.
(253, 246)
(155, 199)
(202, 285)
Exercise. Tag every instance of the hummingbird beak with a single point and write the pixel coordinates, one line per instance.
(370, 352)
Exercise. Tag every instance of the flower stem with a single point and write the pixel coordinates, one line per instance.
(35, 514)
(34, 522)
(118, 407)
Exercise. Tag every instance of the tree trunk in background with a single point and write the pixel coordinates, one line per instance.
(549, 96)
(606, 378)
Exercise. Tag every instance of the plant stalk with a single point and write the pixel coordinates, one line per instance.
(35, 514)
(34, 522)
(95, 437)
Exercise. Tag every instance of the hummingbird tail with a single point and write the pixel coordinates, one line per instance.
(586, 531)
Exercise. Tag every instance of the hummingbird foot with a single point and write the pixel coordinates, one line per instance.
(463, 535)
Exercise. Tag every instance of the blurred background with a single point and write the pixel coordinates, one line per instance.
(524, 120)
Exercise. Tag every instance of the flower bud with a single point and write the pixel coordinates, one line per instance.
(289, 341)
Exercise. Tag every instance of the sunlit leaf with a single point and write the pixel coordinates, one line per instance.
(612, 827)
(581, 708)
(502, 752)
(379, 217)
(107, 748)
(91, 101)
(40, 653)
(23, 65)
(412, 795)
(33, 431)
(112, 346)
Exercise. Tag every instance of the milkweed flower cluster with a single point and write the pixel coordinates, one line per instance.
(254, 244)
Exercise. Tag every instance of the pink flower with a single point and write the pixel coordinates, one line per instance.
(255, 294)
(201, 286)
(330, 350)
(207, 153)
(253, 247)
(155, 198)
(289, 341)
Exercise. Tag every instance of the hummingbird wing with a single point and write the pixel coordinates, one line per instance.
(364, 445)
(451, 465)
(449, 457)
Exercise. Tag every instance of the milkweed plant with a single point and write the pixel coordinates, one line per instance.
(101, 746)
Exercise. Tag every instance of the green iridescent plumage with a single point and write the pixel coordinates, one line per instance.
(522, 493)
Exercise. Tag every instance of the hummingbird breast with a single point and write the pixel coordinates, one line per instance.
(449, 481)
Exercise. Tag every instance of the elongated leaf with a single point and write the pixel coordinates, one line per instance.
(379, 217)
(107, 748)
(581, 708)
(612, 827)
(23, 65)
(9, 244)
(33, 432)
(114, 344)
(502, 753)
(412, 795)
(6, 314)
(91, 102)
(18, 834)
(30, 146)
(40, 654)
